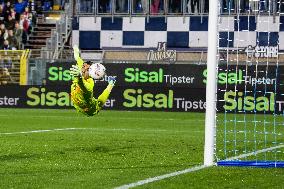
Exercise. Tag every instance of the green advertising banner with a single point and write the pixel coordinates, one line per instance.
(177, 75)
(145, 98)
(121, 98)
(171, 87)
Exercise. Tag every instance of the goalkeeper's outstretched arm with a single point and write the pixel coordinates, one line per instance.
(77, 57)
(76, 71)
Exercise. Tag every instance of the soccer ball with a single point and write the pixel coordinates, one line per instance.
(97, 71)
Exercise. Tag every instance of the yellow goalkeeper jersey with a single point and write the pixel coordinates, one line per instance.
(82, 94)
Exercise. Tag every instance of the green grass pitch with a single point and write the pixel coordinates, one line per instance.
(112, 149)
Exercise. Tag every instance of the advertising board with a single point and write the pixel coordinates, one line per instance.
(177, 75)
(145, 98)
(171, 87)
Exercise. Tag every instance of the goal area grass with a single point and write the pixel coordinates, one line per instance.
(43, 148)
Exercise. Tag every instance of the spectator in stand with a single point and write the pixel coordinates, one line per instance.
(38, 6)
(6, 45)
(145, 6)
(195, 6)
(103, 6)
(12, 39)
(18, 33)
(7, 11)
(20, 7)
(29, 16)
(5, 76)
(155, 6)
(121, 5)
(5, 34)
(1, 14)
(13, 13)
(175, 6)
(47, 5)
(24, 23)
(27, 12)
(62, 3)
(2, 28)
(10, 24)
(1, 40)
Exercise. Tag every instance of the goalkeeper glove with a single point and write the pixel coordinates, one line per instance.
(75, 71)
(76, 52)
(111, 80)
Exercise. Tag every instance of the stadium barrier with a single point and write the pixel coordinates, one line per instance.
(160, 87)
(141, 98)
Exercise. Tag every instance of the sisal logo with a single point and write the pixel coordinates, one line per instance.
(138, 98)
(8, 101)
(58, 74)
(63, 74)
(41, 97)
(136, 75)
(143, 76)
(237, 101)
(239, 77)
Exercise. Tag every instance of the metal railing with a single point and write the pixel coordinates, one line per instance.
(59, 35)
(140, 8)
(174, 8)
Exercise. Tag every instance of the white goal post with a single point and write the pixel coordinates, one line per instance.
(210, 117)
(244, 121)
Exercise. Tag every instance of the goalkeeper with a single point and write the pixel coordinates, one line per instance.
(82, 95)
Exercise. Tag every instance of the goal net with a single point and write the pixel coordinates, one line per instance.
(249, 93)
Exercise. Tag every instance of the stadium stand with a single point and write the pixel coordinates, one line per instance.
(44, 26)
(40, 25)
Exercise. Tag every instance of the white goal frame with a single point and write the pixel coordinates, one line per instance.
(211, 87)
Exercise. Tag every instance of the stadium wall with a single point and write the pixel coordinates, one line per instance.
(179, 32)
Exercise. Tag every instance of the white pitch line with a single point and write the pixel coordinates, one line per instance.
(38, 131)
(161, 177)
(193, 169)
(96, 129)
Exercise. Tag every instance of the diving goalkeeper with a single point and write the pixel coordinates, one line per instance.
(84, 74)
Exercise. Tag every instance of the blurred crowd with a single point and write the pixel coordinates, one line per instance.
(16, 21)
(178, 6)
(17, 17)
